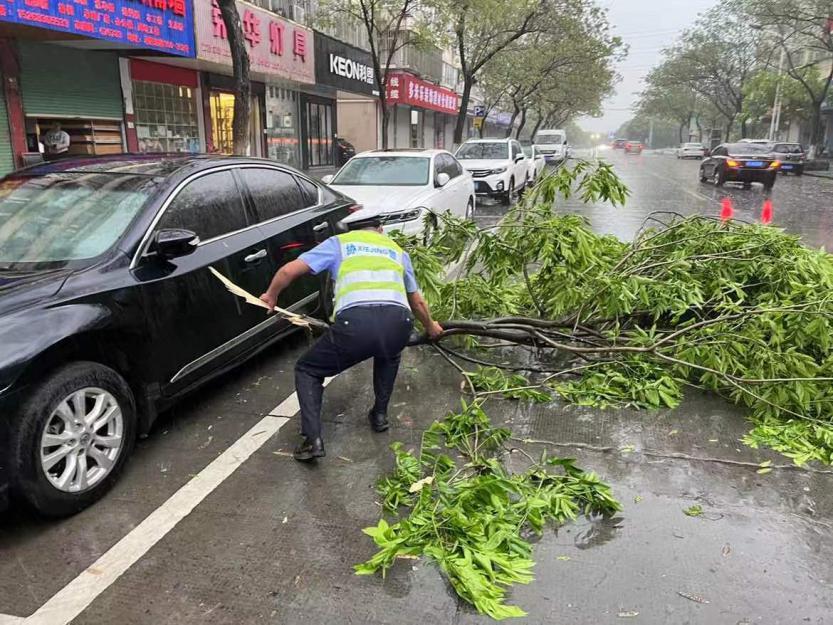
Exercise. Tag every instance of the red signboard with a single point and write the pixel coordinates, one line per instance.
(406, 88)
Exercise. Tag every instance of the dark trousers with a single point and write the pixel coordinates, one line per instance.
(359, 333)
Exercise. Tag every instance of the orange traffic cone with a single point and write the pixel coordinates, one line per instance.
(726, 210)
(766, 212)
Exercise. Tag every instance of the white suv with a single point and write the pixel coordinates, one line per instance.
(499, 167)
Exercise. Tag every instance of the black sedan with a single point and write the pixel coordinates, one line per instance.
(740, 162)
(108, 311)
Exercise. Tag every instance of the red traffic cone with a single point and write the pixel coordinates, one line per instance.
(766, 212)
(726, 210)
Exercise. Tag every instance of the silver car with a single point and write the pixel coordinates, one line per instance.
(792, 157)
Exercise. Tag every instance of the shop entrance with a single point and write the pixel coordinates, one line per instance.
(222, 117)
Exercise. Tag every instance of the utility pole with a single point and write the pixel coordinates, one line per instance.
(775, 122)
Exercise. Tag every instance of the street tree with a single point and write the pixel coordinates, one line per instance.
(567, 59)
(390, 26)
(766, 85)
(715, 59)
(483, 29)
(799, 34)
(240, 67)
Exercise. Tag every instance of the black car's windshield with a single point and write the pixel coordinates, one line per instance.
(747, 148)
(384, 170)
(59, 218)
(496, 150)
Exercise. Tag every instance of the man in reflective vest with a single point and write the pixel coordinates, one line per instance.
(375, 295)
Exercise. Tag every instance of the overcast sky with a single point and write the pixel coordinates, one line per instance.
(646, 26)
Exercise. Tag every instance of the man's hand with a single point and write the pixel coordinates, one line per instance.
(270, 300)
(433, 330)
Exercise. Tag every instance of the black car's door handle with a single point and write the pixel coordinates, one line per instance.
(254, 257)
(321, 226)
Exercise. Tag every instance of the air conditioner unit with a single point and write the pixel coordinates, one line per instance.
(299, 14)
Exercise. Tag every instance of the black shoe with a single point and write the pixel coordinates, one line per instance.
(378, 421)
(309, 450)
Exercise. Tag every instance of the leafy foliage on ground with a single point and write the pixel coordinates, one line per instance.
(743, 310)
(455, 502)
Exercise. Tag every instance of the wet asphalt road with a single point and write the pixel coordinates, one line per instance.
(275, 541)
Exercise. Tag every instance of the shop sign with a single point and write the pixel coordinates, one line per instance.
(276, 46)
(163, 25)
(406, 88)
(343, 67)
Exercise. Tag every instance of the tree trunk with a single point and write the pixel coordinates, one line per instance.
(240, 66)
(521, 124)
(461, 114)
(816, 140)
(743, 127)
(537, 125)
(515, 112)
(680, 131)
(385, 119)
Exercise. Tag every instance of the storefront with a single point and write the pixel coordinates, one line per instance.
(166, 108)
(74, 89)
(349, 70)
(6, 156)
(423, 114)
(282, 60)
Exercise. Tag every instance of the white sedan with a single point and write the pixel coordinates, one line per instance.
(403, 187)
(691, 150)
(537, 164)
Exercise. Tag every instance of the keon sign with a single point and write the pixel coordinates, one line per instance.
(343, 67)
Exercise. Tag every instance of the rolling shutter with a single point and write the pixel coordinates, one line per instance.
(6, 159)
(65, 82)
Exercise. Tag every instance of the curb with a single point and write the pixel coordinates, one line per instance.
(818, 175)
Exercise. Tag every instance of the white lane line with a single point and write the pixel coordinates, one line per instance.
(8, 619)
(289, 407)
(74, 598)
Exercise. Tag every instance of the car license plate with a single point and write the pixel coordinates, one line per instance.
(786, 166)
(754, 163)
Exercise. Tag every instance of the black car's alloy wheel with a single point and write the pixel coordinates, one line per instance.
(73, 437)
(718, 178)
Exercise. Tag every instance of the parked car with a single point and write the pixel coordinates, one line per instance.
(619, 144)
(633, 147)
(499, 167)
(691, 150)
(344, 150)
(108, 311)
(536, 161)
(740, 162)
(791, 156)
(406, 187)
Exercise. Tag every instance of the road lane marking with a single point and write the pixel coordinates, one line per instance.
(78, 594)
(289, 407)
(8, 619)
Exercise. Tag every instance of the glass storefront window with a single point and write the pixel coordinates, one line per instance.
(166, 117)
(282, 126)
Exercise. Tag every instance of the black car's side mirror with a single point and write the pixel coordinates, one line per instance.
(172, 243)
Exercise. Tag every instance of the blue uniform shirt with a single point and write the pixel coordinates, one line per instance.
(327, 257)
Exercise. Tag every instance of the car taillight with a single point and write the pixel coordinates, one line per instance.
(732, 163)
(775, 164)
(354, 208)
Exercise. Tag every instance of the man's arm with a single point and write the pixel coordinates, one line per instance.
(420, 308)
(285, 276)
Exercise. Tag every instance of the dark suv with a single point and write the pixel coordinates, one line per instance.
(108, 312)
(791, 156)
